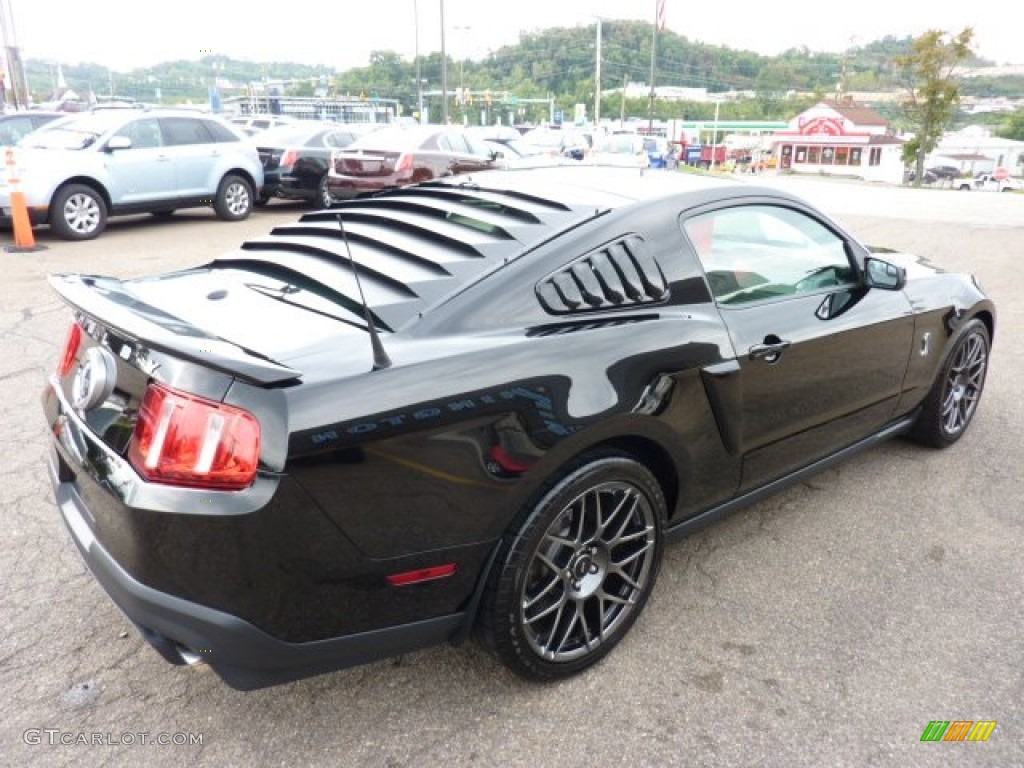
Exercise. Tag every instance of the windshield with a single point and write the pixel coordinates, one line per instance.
(76, 133)
(621, 144)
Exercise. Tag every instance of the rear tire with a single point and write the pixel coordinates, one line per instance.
(78, 212)
(951, 403)
(323, 194)
(573, 579)
(234, 200)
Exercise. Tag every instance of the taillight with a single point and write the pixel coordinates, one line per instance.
(182, 439)
(71, 345)
(289, 158)
(404, 163)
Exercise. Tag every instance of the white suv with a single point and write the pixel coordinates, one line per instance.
(99, 164)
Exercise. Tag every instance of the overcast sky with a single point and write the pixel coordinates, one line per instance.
(124, 34)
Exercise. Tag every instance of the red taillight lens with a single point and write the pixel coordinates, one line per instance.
(289, 158)
(182, 439)
(404, 163)
(71, 345)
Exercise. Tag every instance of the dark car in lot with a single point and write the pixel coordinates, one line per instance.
(296, 158)
(17, 125)
(401, 155)
(479, 405)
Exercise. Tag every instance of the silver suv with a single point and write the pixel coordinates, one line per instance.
(98, 164)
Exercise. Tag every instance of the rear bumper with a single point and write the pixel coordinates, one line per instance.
(243, 655)
(179, 627)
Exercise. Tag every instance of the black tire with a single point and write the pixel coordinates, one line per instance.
(234, 200)
(953, 399)
(78, 212)
(323, 197)
(592, 544)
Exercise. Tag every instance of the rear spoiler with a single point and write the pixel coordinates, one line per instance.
(101, 298)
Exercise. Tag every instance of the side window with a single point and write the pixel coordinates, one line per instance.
(220, 132)
(758, 252)
(145, 133)
(457, 142)
(181, 131)
(478, 148)
(13, 128)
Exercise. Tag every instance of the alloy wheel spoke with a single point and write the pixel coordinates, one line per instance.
(633, 555)
(555, 608)
(568, 628)
(554, 581)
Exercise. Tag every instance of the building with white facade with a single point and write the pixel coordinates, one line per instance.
(840, 139)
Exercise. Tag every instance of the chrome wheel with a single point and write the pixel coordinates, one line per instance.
(82, 214)
(236, 198)
(593, 563)
(964, 382)
(77, 212)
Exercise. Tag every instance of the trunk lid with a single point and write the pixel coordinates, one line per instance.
(366, 162)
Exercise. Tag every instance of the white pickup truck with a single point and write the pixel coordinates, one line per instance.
(988, 182)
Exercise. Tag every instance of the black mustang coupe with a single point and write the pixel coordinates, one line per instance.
(479, 405)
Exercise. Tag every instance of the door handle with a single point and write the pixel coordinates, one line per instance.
(770, 350)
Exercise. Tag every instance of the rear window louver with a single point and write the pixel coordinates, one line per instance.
(410, 248)
(621, 274)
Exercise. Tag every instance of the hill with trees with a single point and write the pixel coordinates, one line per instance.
(557, 62)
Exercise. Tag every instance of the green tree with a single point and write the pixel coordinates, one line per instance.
(933, 90)
(1013, 128)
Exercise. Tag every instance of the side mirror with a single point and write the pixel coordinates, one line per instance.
(119, 142)
(882, 274)
(496, 155)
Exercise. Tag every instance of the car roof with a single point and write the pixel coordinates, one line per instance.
(594, 186)
(416, 244)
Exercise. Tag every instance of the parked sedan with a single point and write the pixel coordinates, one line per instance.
(397, 156)
(17, 125)
(559, 141)
(480, 407)
(296, 157)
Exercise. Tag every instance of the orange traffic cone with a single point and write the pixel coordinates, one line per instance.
(24, 239)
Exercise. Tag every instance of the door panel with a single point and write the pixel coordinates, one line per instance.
(143, 172)
(821, 357)
(836, 380)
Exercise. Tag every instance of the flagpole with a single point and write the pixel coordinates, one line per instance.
(654, 47)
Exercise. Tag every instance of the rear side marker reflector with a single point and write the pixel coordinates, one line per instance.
(421, 575)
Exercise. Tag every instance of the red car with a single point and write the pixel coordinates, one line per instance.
(395, 157)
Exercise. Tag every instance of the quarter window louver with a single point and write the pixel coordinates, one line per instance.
(621, 274)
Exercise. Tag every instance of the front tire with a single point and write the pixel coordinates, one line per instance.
(78, 212)
(234, 200)
(574, 578)
(953, 399)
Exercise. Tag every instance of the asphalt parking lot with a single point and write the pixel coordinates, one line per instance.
(826, 626)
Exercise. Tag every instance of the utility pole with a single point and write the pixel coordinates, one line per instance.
(597, 76)
(419, 77)
(444, 73)
(622, 103)
(654, 49)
